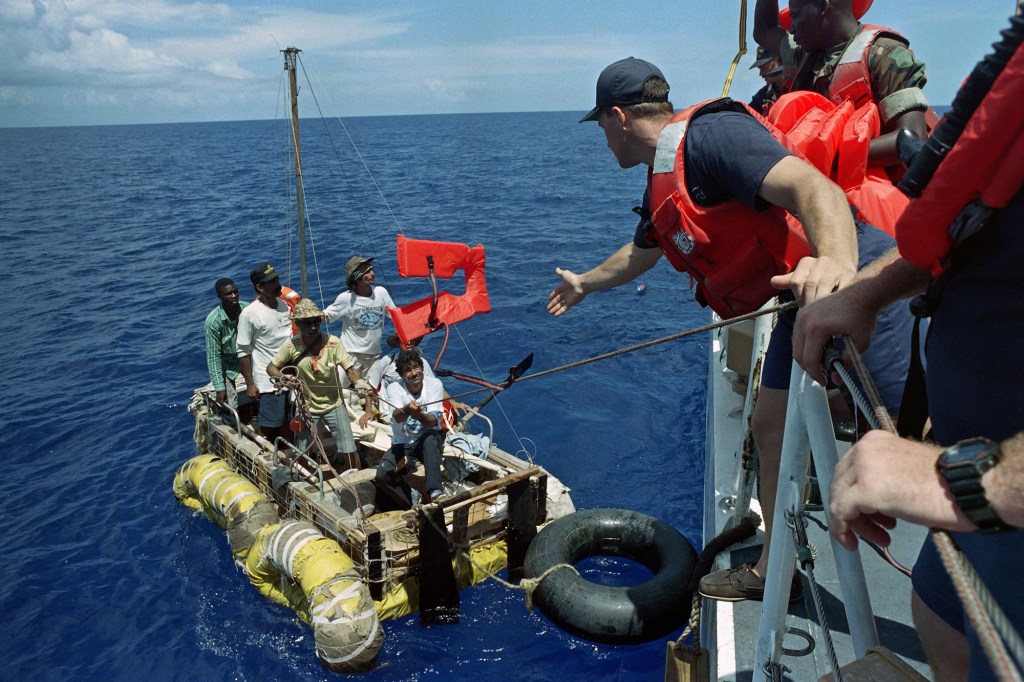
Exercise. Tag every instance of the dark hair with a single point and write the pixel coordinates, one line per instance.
(407, 358)
(222, 283)
(654, 100)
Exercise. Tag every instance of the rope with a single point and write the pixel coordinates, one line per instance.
(805, 554)
(998, 637)
(664, 339)
(694, 625)
(301, 392)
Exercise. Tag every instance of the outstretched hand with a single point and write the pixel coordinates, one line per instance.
(567, 294)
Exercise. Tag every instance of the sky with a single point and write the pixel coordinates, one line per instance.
(101, 62)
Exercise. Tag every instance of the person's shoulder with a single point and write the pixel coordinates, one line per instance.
(289, 347)
(214, 316)
(248, 312)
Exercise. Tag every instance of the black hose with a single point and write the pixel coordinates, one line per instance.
(924, 164)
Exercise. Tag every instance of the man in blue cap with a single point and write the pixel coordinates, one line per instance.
(770, 69)
(729, 221)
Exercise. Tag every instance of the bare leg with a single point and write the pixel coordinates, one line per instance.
(767, 424)
(945, 646)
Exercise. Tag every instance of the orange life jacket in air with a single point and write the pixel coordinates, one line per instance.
(986, 164)
(835, 139)
(420, 258)
(290, 298)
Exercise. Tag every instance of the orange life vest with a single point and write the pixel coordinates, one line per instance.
(986, 163)
(290, 298)
(420, 258)
(732, 251)
(835, 139)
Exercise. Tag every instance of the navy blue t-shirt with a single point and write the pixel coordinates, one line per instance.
(728, 153)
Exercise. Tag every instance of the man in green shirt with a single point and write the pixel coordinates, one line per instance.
(220, 330)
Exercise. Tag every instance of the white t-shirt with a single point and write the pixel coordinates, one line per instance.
(396, 394)
(261, 333)
(362, 319)
(384, 371)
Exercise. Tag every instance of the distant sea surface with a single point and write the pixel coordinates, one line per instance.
(112, 239)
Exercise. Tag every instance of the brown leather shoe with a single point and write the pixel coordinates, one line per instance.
(740, 583)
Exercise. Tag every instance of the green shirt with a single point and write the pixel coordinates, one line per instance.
(221, 352)
(321, 374)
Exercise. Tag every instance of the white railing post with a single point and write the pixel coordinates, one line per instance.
(808, 427)
(743, 478)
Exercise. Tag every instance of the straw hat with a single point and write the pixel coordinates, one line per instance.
(306, 309)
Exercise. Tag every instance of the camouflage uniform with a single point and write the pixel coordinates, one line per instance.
(892, 65)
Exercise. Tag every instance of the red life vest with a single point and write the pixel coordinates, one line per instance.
(986, 163)
(851, 82)
(413, 320)
(731, 251)
(290, 298)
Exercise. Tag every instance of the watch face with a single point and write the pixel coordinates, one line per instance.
(966, 451)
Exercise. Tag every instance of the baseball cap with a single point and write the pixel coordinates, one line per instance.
(623, 83)
(763, 57)
(352, 266)
(264, 272)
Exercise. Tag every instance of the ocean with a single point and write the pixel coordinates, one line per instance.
(114, 237)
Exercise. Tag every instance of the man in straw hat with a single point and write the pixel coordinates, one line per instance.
(316, 357)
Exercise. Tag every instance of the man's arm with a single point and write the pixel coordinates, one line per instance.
(825, 214)
(334, 311)
(243, 344)
(885, 477)
(767, 32)
(626, 264)
(213, 361)
(853, 310)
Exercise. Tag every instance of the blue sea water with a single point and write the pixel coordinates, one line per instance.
(113, 237)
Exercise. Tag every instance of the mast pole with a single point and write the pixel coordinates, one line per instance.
(290, 56)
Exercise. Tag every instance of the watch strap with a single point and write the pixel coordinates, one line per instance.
(964, 481)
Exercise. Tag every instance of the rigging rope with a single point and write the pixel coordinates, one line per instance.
(742, 49)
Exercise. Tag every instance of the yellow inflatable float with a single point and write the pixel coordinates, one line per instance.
(290, 563)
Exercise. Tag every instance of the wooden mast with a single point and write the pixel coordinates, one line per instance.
(290, 56)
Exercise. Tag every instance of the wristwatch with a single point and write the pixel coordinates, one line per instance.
(962, 465)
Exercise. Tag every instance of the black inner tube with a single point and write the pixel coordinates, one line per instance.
(603, 613)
